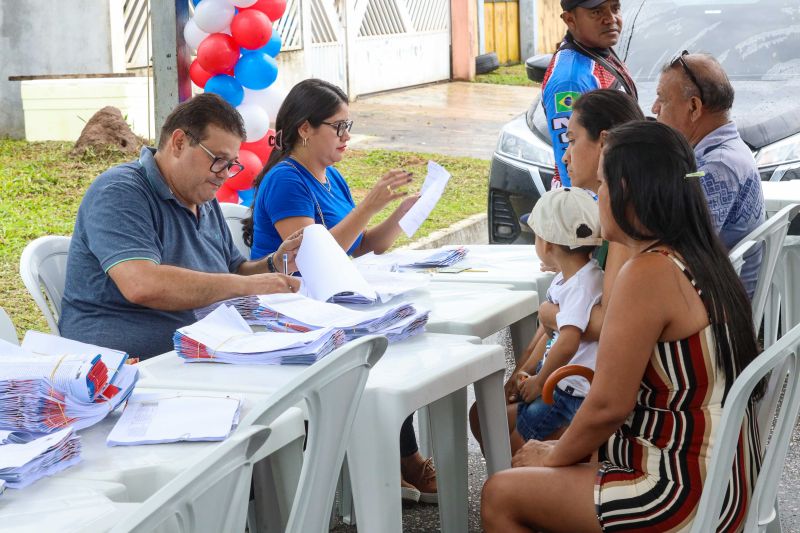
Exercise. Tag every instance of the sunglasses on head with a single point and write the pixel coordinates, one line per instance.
(679, 59)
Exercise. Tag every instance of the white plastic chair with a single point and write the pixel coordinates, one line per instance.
(772, 234)
(43, 267)
(783, 360)
(331, 389)
(210, 498)
(7, 330)
(234, 214)
(740, 251)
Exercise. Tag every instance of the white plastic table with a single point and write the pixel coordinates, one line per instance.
(479, 309)
(779, 194)
(58, 504)
(511, 265)
(142, 470)
(429, 369)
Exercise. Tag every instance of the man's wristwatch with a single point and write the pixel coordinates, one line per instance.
(271, 263)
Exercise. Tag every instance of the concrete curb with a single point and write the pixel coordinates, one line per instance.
(471, 230)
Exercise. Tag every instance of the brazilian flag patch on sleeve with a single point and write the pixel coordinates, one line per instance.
(565, 101)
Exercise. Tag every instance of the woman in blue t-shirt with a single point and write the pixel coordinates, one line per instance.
(299, 186)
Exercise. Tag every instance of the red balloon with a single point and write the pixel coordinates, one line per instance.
(272, 8)
(217, 53)
(260, 147)
(244, 179)
(251, 28)
(224, 194)
(198, 75)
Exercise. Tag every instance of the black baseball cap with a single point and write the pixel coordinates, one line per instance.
(568, 5)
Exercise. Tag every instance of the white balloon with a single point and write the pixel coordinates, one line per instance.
(243, 3)
(214, 16)
(193, 35)
(256, 121)
(270, 99)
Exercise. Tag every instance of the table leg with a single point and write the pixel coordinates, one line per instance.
(494, 425)
(373, 459)
(275, 480)
(522, 332)
(449, 432)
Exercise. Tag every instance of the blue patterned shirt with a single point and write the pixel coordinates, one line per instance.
(733, 190)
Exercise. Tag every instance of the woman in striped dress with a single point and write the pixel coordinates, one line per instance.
(677, 332)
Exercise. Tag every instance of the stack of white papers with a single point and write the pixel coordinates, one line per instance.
(442, 258)
(159, 417)
(43, 393)
(225, 337)
(18, 437)
(295, 312)
(432, 189)
(22, 464)
(327, 271)
(246, 305)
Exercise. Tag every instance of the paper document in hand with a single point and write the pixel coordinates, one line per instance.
(432, 190)
(327, 270)
(156, 418)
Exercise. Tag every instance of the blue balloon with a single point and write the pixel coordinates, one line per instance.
(256, 71)
(227, 87)
(272, 48)
(246, 197)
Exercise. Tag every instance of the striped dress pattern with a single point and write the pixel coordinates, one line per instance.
(654, 466)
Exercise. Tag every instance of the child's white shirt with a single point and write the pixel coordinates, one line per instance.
(576, 297)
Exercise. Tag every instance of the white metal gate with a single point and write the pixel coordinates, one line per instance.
(365, 46)
(399, 43)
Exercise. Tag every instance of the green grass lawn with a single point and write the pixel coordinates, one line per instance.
(508, 75)
(41, 186)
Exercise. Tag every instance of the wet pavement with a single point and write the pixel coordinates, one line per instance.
(459, 118)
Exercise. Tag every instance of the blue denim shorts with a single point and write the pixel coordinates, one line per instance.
(537, 420)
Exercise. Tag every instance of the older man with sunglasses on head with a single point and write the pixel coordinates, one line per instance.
(151, 244)
(695, 96)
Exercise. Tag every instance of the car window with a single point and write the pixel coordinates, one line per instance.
(752, 39)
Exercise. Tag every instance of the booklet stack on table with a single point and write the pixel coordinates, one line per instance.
(224, 336)
(50, 383)
(295, 312)
(23, 461)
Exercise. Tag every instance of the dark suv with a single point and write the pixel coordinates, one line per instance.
(756, 41)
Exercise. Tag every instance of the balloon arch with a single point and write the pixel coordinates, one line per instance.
(236, 48)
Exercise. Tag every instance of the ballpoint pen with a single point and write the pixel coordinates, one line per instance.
(286, 263)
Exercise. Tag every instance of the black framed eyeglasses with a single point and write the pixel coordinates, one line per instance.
(218, 164)
(689, 73)
(341, 126)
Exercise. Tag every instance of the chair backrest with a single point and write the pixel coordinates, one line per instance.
(771, 233)
(7, 330)
(740, 252)
(782, 360)
(210, 497)
(234, 214)
(43, 267)
(332, 391)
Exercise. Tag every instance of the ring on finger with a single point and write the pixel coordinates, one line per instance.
(389, 188)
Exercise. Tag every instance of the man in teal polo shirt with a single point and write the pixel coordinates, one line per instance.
(151, 244)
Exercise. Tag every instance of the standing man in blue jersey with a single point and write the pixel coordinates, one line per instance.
(584, 61)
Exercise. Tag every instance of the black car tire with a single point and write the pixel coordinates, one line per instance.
(486, 63)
